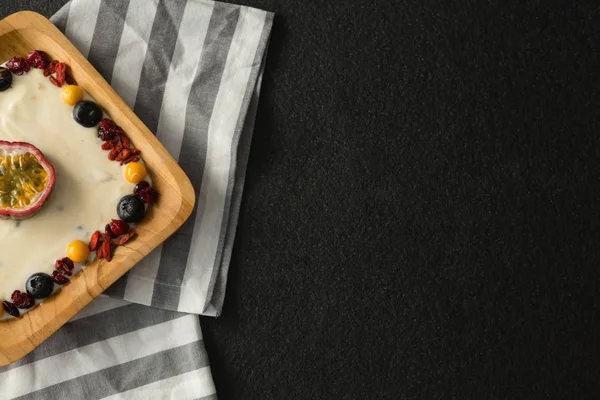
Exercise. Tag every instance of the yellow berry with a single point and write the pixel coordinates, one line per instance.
(71, 94)
(78, 251)
(135, 172)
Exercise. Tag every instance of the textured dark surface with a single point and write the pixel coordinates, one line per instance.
(420, 219)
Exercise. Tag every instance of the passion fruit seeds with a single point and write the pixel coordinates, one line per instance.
(26, 179)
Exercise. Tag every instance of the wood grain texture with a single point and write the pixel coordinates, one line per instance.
(19, 34)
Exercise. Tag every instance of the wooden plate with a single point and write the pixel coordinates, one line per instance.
(26, 31)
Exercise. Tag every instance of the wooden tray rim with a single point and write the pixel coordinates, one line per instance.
(38, 324)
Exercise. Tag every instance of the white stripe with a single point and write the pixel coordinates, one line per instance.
(171, 123)
(98, 356)
(191, 385)
(132, 49)
(140, 280)
(186, 58)
(81, 24)
(98, 305)
(221, 129)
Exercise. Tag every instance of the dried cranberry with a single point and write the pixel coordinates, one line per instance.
(59, 278)
(140, 186)
(107, 129)
(108, 231)
(147, 195)
(22, 299)
(61, 73)
(37, 59)
(55, 82)
(130, 160)
(99, 252)
(94, 241)
(65, 264)
(68, 263)
(107, 249)
(11, 309)
(119, 227)
(124, 239)
(125, 142)
(18, 66)
(63, 271)
(105, 237)
(51, 68)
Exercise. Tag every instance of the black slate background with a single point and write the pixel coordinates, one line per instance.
(420, 219)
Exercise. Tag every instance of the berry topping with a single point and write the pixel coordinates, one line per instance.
(22, 300)
(125, 238)
(130, 159)
(5, 79)
(71, 94)
(94, 241)
(26, 179)
(147, 195)
(125, 142)
(11, 309)
(37, 59)
(107, 250)
(51, 68)
(108, 130)
(18, 66)
(59, 277)
(60, 72)
(118, 227)
(87, 113)
(109, 232)
(78, 251)
(65, 266)
(135, 172)
(131, 209)
(39, 285)
(141, 185)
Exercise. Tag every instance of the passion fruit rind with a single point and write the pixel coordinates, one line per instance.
(26, 180)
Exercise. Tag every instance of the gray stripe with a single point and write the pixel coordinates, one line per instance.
(61, 17)
(165, 29)
(96, 328)
(240, 150)
(120, 378)
(200, 105)
(218, 293)
(155, 70)
(107, 36)
(117, 289)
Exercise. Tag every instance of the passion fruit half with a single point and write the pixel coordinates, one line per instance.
(26, 180)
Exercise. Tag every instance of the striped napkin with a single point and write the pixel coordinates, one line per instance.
(191, 70)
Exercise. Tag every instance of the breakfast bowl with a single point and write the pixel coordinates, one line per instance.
(152, 201)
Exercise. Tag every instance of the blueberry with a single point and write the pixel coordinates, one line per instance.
(5, 79)
(87, 113)
(39, 285)
(131, 209)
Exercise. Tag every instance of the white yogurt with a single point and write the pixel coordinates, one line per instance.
(87, 189)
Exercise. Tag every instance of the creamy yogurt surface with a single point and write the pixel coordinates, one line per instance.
(87, 189)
